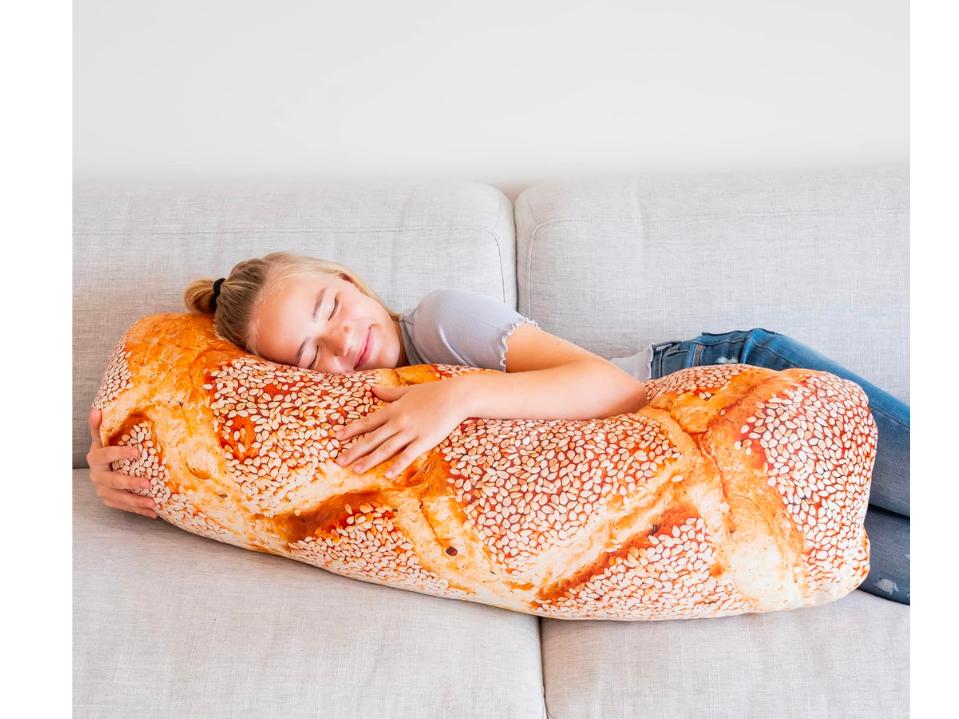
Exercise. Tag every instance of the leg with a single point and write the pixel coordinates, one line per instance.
(888, 555)
(887, 516)
(763, 348)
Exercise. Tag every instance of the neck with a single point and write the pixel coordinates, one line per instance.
(402, 362)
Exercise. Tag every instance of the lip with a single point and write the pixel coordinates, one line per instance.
(367, 346)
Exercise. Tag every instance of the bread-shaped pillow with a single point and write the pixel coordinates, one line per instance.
(736, 489)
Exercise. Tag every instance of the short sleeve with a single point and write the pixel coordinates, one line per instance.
(454, 326)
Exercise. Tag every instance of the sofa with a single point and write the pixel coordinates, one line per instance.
(171, 624)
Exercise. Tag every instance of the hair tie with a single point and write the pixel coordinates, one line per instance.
(216, 291)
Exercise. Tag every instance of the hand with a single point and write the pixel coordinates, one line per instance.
(419, 418)
(113, 487)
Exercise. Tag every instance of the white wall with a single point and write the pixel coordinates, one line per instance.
(508, 93)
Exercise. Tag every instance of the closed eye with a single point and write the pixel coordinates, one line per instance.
(336, 306)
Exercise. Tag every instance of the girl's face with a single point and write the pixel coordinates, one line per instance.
(321, 321)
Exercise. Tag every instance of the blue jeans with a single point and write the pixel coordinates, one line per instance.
(887, 517)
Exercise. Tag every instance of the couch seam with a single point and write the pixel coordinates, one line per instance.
(496, 241)
(529, 270)
(542, 666)
(512, 220)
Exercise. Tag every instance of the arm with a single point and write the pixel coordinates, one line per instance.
(548, 377)
(581, 389)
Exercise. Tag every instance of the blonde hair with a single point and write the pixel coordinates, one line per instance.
(249, 282)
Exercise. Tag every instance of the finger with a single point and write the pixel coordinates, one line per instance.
(404, 459)
(118, 480)
(94, 422)
(117, 452)
(388, 393)
(365, 444)
(104, 481)
(347, 431)
(383, 452)
(362, 425)
(104, 456)
(119, 499)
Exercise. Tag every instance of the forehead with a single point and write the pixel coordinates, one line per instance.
(284, 316)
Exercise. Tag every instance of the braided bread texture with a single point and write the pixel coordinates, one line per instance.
(737, 489)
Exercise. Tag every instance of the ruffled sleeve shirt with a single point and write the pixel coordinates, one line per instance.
(455, 326)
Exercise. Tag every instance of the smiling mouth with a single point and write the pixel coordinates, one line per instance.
(363, 349)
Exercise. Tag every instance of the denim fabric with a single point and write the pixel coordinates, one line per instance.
(887, 517)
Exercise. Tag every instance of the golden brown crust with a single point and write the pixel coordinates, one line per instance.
(736, 489)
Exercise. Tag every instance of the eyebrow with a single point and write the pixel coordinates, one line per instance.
(316, 308)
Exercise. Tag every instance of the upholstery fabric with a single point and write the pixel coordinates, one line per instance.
(137, 247)
(163, 640)
(170, 624)
(820, 255)
(846, 659)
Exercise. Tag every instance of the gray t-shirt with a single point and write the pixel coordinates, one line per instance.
(454, 326)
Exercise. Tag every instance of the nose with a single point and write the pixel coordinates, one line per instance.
(344, 347)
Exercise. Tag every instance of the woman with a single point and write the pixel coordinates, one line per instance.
(312, 313)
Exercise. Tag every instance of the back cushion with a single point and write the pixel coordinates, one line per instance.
(821, 256)
(137, 247)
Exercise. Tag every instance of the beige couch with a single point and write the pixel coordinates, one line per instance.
(169, 624)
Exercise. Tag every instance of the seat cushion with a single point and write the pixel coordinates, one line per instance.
(849, 659)
(168, 623)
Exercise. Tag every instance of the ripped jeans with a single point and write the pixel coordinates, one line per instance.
(887, 516)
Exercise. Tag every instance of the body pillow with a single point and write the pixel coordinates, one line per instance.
(736, 489)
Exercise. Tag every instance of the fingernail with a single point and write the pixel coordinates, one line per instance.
(390, 473)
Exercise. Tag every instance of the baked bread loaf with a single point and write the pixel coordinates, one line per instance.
(736, 489)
